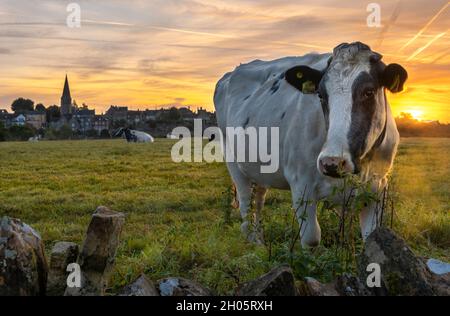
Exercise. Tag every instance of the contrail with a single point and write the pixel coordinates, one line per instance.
(426, 26)
(391, 22)
(421, 49)
(106, 23)
(226, 36)
(443, 55)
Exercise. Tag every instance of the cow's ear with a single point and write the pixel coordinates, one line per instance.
(394, 77)
(304, 78)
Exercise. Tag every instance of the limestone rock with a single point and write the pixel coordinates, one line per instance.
(350, 285)
(402, 273)
(316, 288)
(63, 253)
(278, 282)
(142, 286)
(441, 284)
(98, 253)
(182, 287)
(23, 266)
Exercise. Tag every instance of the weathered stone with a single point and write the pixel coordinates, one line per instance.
(441, 284)
(182, 287)
(438, 267)
(315, 288)
(63, 253)
(23, 266)
(350, 285)
(440, 279)
(98, 253)
(142, 286)
(402, 273)
(278, 282)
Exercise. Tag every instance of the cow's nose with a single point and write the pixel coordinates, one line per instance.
(335, 167)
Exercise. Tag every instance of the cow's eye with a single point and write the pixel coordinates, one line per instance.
(368, 94)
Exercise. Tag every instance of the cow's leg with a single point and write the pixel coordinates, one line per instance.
(260, 197)
(306, 214)
(370, 216)
(244, 195)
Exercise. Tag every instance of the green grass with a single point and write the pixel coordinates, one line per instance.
(176, 214)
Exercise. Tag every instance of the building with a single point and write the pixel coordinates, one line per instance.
(5, 118)
(66, 100)
(203, 114)
(186, 113)
(36, 119)
(100, 123)
(117, 113)
(82, 120)
(135, 117)
(19, 120)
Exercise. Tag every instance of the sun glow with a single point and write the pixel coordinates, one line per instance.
(416, 114)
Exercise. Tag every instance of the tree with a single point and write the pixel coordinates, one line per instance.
(65, 132)
(3, 132)
(53, 113)
(22, 105)
(40, 107)
(174, 114)
(21, 132)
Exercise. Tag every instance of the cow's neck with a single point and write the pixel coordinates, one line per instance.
(382, 135)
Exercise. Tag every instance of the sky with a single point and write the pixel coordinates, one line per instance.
(159, 53)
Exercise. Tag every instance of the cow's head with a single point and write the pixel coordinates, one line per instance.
(119, 132)
(351, 90)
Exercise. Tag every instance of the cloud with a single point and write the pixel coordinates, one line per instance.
(163, 51)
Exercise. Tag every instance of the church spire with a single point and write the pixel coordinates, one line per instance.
(66, 99)
(66, 92)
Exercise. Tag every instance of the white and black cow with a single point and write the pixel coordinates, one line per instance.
(333, 118)
(134, 136)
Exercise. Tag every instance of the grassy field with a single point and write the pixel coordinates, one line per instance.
(178, 219)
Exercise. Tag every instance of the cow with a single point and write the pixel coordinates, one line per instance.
(333, 118)
(134, 136)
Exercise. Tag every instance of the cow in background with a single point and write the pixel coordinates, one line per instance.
(134, 136)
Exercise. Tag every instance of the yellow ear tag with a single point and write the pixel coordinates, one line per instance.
(395, 84)
(299, 75)
(308, 87)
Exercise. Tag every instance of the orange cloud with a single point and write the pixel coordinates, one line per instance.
(157, 53)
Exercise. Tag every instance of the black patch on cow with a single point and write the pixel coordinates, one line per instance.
(246, 123)
(275, 87)
(304, 78)
(323, 96)
(363, 111)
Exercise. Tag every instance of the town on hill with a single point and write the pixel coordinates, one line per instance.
(70, 121)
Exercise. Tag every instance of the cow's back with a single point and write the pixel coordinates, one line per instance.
(237, 89)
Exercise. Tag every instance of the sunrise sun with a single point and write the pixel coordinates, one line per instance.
(416, 114)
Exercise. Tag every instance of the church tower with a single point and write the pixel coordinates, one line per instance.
(66, 100)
